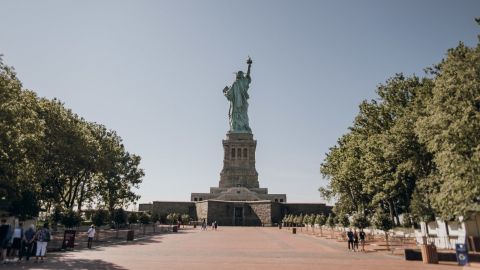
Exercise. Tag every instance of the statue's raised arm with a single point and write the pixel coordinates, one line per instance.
(249, 63)
(238, 96)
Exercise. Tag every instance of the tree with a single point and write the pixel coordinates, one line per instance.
(343, 220)
(144, 218)
(155, 217)
(119, 170)
(71, 219)
(382, 222)
(132, 218)
(21, 134)
(69, 161)
(119, 217)
(27, 206)
(449, 129)
(306, 220)
(321, 221)
(360, 221)
(331, 222)
(185, 219)
(173, 217)
(100, 217)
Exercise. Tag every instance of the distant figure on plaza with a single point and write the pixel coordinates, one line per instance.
(362, 239)
(216, 225)
(43, 237)
(204, 225)
(355, 240)
(238, 96)
(350, 240)
(29, 241)
(91, 235)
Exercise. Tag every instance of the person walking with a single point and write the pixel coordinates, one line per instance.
(4, 240)
(350, 239)
(91, 235)
(362, 239)
(216, 225)
(204, 225)
(43, 237)
(17, 242)
(355, 240)
(29, 242)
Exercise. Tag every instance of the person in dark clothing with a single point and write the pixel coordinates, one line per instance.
(4, 240)
(355, 241)
(29, 242)
(350, 240)
(362, 239)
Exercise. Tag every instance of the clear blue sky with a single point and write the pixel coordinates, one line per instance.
(154, 71)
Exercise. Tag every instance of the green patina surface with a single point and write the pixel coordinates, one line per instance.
(238, 96)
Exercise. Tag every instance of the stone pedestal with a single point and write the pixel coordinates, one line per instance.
(239, 161)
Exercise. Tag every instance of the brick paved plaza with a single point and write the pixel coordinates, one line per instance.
(226, 248)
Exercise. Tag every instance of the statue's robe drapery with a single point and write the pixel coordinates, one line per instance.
(237, 94)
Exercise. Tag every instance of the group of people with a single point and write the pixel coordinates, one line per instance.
(204, 225)
(16, 243)
(353, 238)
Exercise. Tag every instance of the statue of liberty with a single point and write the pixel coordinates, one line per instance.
(237, 94)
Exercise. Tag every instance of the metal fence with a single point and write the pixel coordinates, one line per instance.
(106, 236)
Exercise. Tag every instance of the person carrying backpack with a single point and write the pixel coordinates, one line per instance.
(43, 237)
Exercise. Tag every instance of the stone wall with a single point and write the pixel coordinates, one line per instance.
(221, 211)
(164, 208)
(202, 210)
(261, 213)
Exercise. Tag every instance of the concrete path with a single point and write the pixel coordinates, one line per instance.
(227, 248)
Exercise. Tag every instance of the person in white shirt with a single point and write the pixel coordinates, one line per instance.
(17, 243)
(91, 234)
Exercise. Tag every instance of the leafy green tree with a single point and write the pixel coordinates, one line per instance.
(185, 219)
(144, 218)
(21, 134)
(100, 217)
(343, 220)
(321, 221)
(133, 218)
(360, 221)
(306, 220)
(450, 130)
(173, 217)
(119, 216)
(119, 170)
(68, 163)
(71, 219)
(331, 222)
(155, 217)
(382, 222)
(27, 206)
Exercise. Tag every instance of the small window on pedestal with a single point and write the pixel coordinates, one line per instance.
(233, 152)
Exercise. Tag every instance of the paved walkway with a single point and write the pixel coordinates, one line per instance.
(227, 248)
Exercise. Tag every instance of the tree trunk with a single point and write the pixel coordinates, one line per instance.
(397, 219)
(386, 240)
(390, 209)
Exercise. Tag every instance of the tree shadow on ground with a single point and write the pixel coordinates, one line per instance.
(63, 262)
